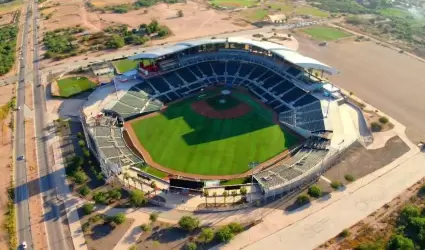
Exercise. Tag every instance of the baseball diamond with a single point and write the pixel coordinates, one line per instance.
(208, 137)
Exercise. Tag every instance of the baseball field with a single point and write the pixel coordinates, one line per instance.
(210, 134)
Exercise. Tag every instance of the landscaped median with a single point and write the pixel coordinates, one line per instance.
(71, 86)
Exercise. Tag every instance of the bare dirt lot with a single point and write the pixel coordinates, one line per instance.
(6, 93)
(197, 20)
(359, 162)
(7, 18)
(388, 80)
(64, 14)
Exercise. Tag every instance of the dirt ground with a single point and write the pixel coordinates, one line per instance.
(7, 18)
(102, 236)
(390, 81)
(197, 20)
(102, 3)
(359, 162)
(6, 93)
(377, 226)
(65, 14)
(6, 170)
(6, 147)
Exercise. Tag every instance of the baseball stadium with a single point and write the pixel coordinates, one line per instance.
(206, 111)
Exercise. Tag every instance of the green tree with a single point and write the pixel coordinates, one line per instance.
(234, 194)
(206, 235)
(225, 234)
(137, 198)
(189, 223)
(407, 213)
(399, 242)
(153, 217)
(145, 227)
(315, 191)
(115, 42)
(88, 208)
(84, 190)
(100, 197)
(80, 177)
(191, 246)
(225, 194)
(180, 13)
(82, 143)
(235, 227)
(302, 200)
(243, 191)
(336, 185)
(349, 177)
(119, 218)
(153, 186)
(115, 193)
(206, 193)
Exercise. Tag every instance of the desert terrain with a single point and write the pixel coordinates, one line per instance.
(389, 80)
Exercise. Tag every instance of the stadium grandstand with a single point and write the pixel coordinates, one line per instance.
(272, 73)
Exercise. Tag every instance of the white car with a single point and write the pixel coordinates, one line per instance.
(24, 245)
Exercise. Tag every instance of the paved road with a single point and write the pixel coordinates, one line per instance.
(21, 191)
(55, 218)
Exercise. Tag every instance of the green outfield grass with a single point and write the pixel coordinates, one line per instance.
(184, 140)
(125, 65)
(234, 3)
(325, 33)
(73, 85)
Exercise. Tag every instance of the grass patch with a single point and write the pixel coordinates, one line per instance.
(73, 85)
(255, 15)
(154, 172)
(325, 33)
(184, 140)
(281, 6)
(238, 181)
(307, 10)
(234, 3)
(395, 13)
(5, 109)
(125, 65)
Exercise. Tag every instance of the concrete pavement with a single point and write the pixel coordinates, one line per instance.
(50, 181)
(21, 190)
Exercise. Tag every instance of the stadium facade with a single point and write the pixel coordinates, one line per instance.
(279, 77)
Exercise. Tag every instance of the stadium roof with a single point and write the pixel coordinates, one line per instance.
(278, 49)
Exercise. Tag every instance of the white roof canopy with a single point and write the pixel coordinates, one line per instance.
(277, 49)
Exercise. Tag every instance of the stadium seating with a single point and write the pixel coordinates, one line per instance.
(297, 107)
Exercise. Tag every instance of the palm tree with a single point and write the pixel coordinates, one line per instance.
(243, 191)
(126, 177)
(225, 194)
(234, 194)
(215, 199)
(153, 185)
(206, 196)
(134, 179)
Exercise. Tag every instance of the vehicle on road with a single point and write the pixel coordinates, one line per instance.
(21, 157)
(24, 245)
(19, 107)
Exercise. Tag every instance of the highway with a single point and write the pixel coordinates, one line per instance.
(21, 191)
(50, 182)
